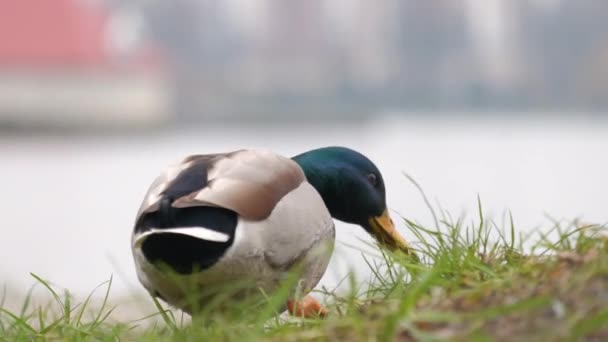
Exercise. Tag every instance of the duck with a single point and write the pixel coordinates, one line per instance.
(253, 217)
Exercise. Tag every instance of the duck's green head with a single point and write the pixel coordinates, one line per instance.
(353, 190)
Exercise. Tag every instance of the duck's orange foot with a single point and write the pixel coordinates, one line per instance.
(307, 307)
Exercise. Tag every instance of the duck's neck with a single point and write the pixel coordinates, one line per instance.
(322, 174)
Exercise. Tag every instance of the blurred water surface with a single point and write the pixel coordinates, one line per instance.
(68, 202)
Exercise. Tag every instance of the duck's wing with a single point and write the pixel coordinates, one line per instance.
(248, 182)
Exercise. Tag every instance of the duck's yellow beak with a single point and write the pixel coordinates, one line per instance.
(384, 231)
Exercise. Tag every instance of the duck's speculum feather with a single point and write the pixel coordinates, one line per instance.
(185, 253)
(165, 213)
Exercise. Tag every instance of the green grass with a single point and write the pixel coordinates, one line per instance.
(474, 282)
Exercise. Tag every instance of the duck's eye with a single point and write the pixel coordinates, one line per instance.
(373, 179)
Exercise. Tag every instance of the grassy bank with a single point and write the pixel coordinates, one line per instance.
(475, 281)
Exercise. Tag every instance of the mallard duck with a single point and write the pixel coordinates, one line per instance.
(254, 215)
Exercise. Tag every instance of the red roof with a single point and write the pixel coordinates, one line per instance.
(52, 33)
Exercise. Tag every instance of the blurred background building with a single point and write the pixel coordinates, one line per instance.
(77, 63)
(73, 62)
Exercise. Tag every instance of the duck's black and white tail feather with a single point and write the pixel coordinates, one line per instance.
(185, 239)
